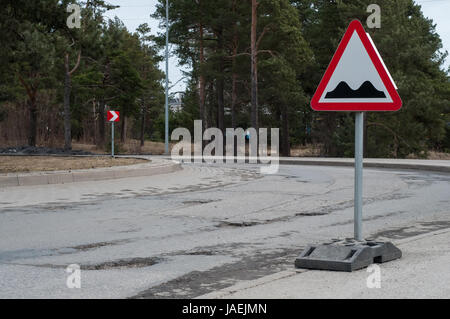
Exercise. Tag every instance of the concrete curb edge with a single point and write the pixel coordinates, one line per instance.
(406, 166)
(64, 177)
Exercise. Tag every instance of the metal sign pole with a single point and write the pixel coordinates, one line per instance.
(166, 115)
(112, 139)
(359, 132)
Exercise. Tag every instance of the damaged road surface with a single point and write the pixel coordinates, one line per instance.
(199, 230)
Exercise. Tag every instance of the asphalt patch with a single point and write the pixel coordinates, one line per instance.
(124, 263)
(198, 283)
(414, 230)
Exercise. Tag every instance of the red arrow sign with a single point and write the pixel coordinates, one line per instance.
(356, 79)
(113, 116)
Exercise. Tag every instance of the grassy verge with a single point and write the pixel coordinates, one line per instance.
(15, 164)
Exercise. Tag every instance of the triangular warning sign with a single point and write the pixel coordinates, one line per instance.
(356, 79)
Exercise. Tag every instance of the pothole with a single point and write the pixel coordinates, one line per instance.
(201, 253)
(198, 202)
(312, 214)
(124, 263)
(99, 244)
(225, 223)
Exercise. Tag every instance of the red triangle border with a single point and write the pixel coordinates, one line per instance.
(396, 103)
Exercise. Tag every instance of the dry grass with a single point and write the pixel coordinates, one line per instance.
(88, 147)
(306, 151)
(438, 156)
(14, 164)
(134, 147)
(432, 155)
(157, 148)
(129, 147)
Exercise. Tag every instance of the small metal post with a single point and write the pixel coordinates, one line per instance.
(359, 126)
(112, 139)
(166, 129)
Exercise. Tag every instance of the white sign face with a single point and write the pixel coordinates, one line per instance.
(355, 78)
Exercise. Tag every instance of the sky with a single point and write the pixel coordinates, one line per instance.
(135, 12)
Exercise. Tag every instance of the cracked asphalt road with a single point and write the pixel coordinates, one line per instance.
(192, 232)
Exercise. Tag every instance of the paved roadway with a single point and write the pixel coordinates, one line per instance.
(200, 230)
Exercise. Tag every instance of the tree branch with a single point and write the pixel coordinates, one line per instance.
(27, 87)
(66, 62)
(77, 64)
(92, 60)
(238, 54)
(266, 51)
(266, 28)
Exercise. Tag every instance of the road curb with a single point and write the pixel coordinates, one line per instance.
(155, 167)
(403, 164)
(410, 165)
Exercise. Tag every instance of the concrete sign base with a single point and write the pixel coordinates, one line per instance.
(346, 256)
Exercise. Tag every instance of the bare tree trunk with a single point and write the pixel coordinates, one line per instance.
(329, 126)
(33, 122)
(102, 106)
(234, 76)
(220, 85)
(94, 111)
(123, 131)
(32, 107)
(150, 127)
(101, 122)
(285, 146)
(210, 111)
(67, 91)
(254, 67)
(233, 100)
(143, 124)
(202, 79)
(67, 114)
(220, 103)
